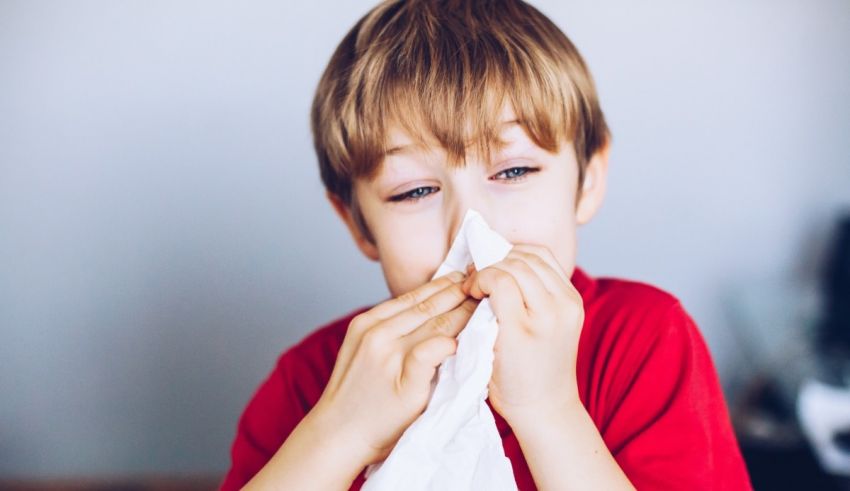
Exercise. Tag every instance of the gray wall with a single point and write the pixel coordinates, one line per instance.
(163, 233)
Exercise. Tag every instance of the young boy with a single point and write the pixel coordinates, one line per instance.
(429, 108)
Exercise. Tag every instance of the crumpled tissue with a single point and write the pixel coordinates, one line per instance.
(454, 444)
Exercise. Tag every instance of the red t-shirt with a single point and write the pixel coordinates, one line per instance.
(644, 374)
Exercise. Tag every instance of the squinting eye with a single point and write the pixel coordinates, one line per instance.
(515, 173)
(415, 194)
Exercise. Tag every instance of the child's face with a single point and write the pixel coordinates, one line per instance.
(416, 204)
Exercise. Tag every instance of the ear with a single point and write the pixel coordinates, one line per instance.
(344, 212)
(593, 189)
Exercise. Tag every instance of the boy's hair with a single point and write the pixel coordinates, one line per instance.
(442, 71)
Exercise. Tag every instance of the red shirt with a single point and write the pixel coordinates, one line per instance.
(644, 373)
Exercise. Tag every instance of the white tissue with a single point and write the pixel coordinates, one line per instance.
(454, 444)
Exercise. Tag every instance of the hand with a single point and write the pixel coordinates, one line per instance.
(540, 315)
(381, 380)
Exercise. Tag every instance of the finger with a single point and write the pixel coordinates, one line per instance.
(422, 360)
(369, 319)
(426, 309)
(448, 324)
(550, 278)
(546, 255)
(403, 302)
(534, 293)
(505, 295)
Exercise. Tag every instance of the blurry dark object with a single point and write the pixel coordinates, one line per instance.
(778, 457)
(824, 414)
(834, 330)
(842, 440)
(793, 415)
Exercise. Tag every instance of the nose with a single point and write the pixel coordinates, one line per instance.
(466, 193)
(455, 222)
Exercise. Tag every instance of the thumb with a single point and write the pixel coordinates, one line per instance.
(422, 361)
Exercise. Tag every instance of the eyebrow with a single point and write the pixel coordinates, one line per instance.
(400, 149)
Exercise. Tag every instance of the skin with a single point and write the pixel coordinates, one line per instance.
(413, 237)
(381, 379)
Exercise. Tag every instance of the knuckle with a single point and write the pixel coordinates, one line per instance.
(425, 352)
(426, 307)
(539, 251)
(525, 266)
(502, 281)
(374, 341)
(511, 262)
(358, 323)
(469, 305)
(408, 297)
(456, 292)
(442, 324)
(537, 260)
(531, 257)
(515, 262)
(418, 353)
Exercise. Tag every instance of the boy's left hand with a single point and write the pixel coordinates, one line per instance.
(540, 315)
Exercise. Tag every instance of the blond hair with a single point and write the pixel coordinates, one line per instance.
(443, 70)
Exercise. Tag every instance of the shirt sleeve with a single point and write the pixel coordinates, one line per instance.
(668, 426)
(272, 413)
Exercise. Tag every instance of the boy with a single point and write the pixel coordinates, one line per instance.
(426, 109)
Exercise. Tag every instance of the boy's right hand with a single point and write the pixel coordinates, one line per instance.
(381, 380)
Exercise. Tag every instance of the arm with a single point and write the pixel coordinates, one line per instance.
(311, 458)
(564, 450)
(659, 402)
(534, 382)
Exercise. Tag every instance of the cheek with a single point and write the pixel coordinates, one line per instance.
(544, 217)
(409, 254)
(551, 228)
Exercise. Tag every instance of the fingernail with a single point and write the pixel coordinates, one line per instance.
(456, 276)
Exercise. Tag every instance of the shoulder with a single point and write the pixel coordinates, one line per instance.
(648, 381)
(623, 294)
(635, 331)
(621, 310)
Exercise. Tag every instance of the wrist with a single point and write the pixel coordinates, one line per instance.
(314, 455)
(542, 416)
(338, 436)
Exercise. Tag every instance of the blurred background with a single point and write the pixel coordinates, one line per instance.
(164, 234)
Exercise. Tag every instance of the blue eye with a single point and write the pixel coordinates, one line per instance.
(415, 194)
(515, 173)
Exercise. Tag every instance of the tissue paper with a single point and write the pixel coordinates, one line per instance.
(454, 444)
